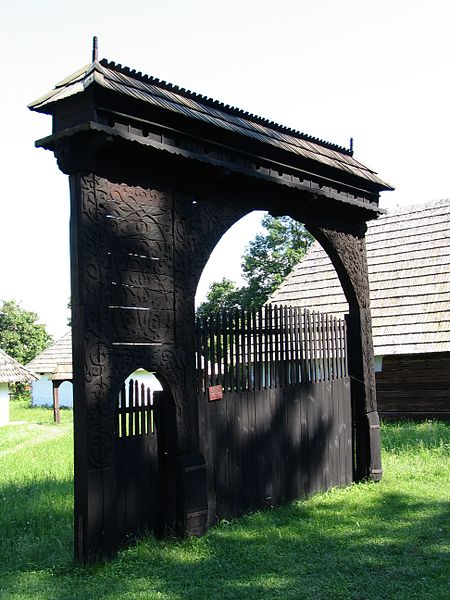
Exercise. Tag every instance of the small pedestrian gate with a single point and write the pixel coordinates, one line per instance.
(145, 449)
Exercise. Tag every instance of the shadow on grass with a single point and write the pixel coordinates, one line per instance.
(36, 525)
(393, 546)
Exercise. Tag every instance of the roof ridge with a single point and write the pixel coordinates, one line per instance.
(233, 110)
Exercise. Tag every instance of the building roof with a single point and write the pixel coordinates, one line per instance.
(160, 94)
(12, 371)
(57, 359)
(408, 253)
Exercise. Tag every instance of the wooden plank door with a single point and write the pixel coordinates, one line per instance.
(138, 462)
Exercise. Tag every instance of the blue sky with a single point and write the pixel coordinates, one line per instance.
(374, 71)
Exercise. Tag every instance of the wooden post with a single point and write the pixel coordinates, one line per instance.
(344, 242)
(56, 412)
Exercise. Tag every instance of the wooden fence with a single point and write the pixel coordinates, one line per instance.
(135, 410)
(274, 407)
(273, 347)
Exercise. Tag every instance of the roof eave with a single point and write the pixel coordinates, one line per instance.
(78, 81)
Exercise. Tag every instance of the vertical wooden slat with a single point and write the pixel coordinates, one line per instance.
(148, 412)
(299, 343)
(311, 346)
(292, 372)
(224, 336)
(238, 378)
(315, 344)
(258, 350)
(345, 349)
(328, 346)
(204, 353)
(142, 410)
(250, 358)
(323, 343)
(336, 349)
(281, 347)
(130, 428)
(342, 346)
(308, 345)
(300, 355)
(231, 361)
(123, 409)
(198, 360)
(276, 311)
(336, 334)
(219, 348)
(332, 350)
(233, 455)
(243, 350)
(339, 345)
(136, 407)
(286, 334)
(280, 382)
(212, 346)
(334, 455)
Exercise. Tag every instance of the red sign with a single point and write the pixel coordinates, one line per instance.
(215, 393)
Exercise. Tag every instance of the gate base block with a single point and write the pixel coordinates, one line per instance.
(192, 494)
(373, 421)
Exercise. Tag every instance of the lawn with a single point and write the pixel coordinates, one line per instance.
(370, 541)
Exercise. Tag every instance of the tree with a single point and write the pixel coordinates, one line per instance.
(266, 262)
(20, 335)
(222, 295)
(270, 257)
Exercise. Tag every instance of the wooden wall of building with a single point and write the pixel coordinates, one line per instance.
(414, 386)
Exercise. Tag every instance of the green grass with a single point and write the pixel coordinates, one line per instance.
(369, 541)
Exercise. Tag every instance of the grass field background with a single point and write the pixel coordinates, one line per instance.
(370, 541)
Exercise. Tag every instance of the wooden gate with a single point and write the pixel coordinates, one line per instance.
(274, 407)
(145, 448)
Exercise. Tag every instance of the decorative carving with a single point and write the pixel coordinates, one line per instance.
(139, 255)
(344, 242)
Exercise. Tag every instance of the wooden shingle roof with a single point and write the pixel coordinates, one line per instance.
(408, 253)
(56, 359)
(179, 101)
(12, 371)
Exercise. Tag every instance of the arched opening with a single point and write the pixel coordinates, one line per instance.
(135, 415)
(226, 257)
(145, 450)
(274, 399)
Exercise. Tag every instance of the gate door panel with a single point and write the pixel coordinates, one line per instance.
(138, 476)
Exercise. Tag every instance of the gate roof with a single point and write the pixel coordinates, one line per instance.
(323, 159)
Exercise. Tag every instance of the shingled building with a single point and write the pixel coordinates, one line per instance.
(408, 252)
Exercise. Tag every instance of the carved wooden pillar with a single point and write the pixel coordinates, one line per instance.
(345, 245)
(137, 253)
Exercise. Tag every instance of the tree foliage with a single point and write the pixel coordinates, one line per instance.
(222, 295)
(265, 263)
(21, 336)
